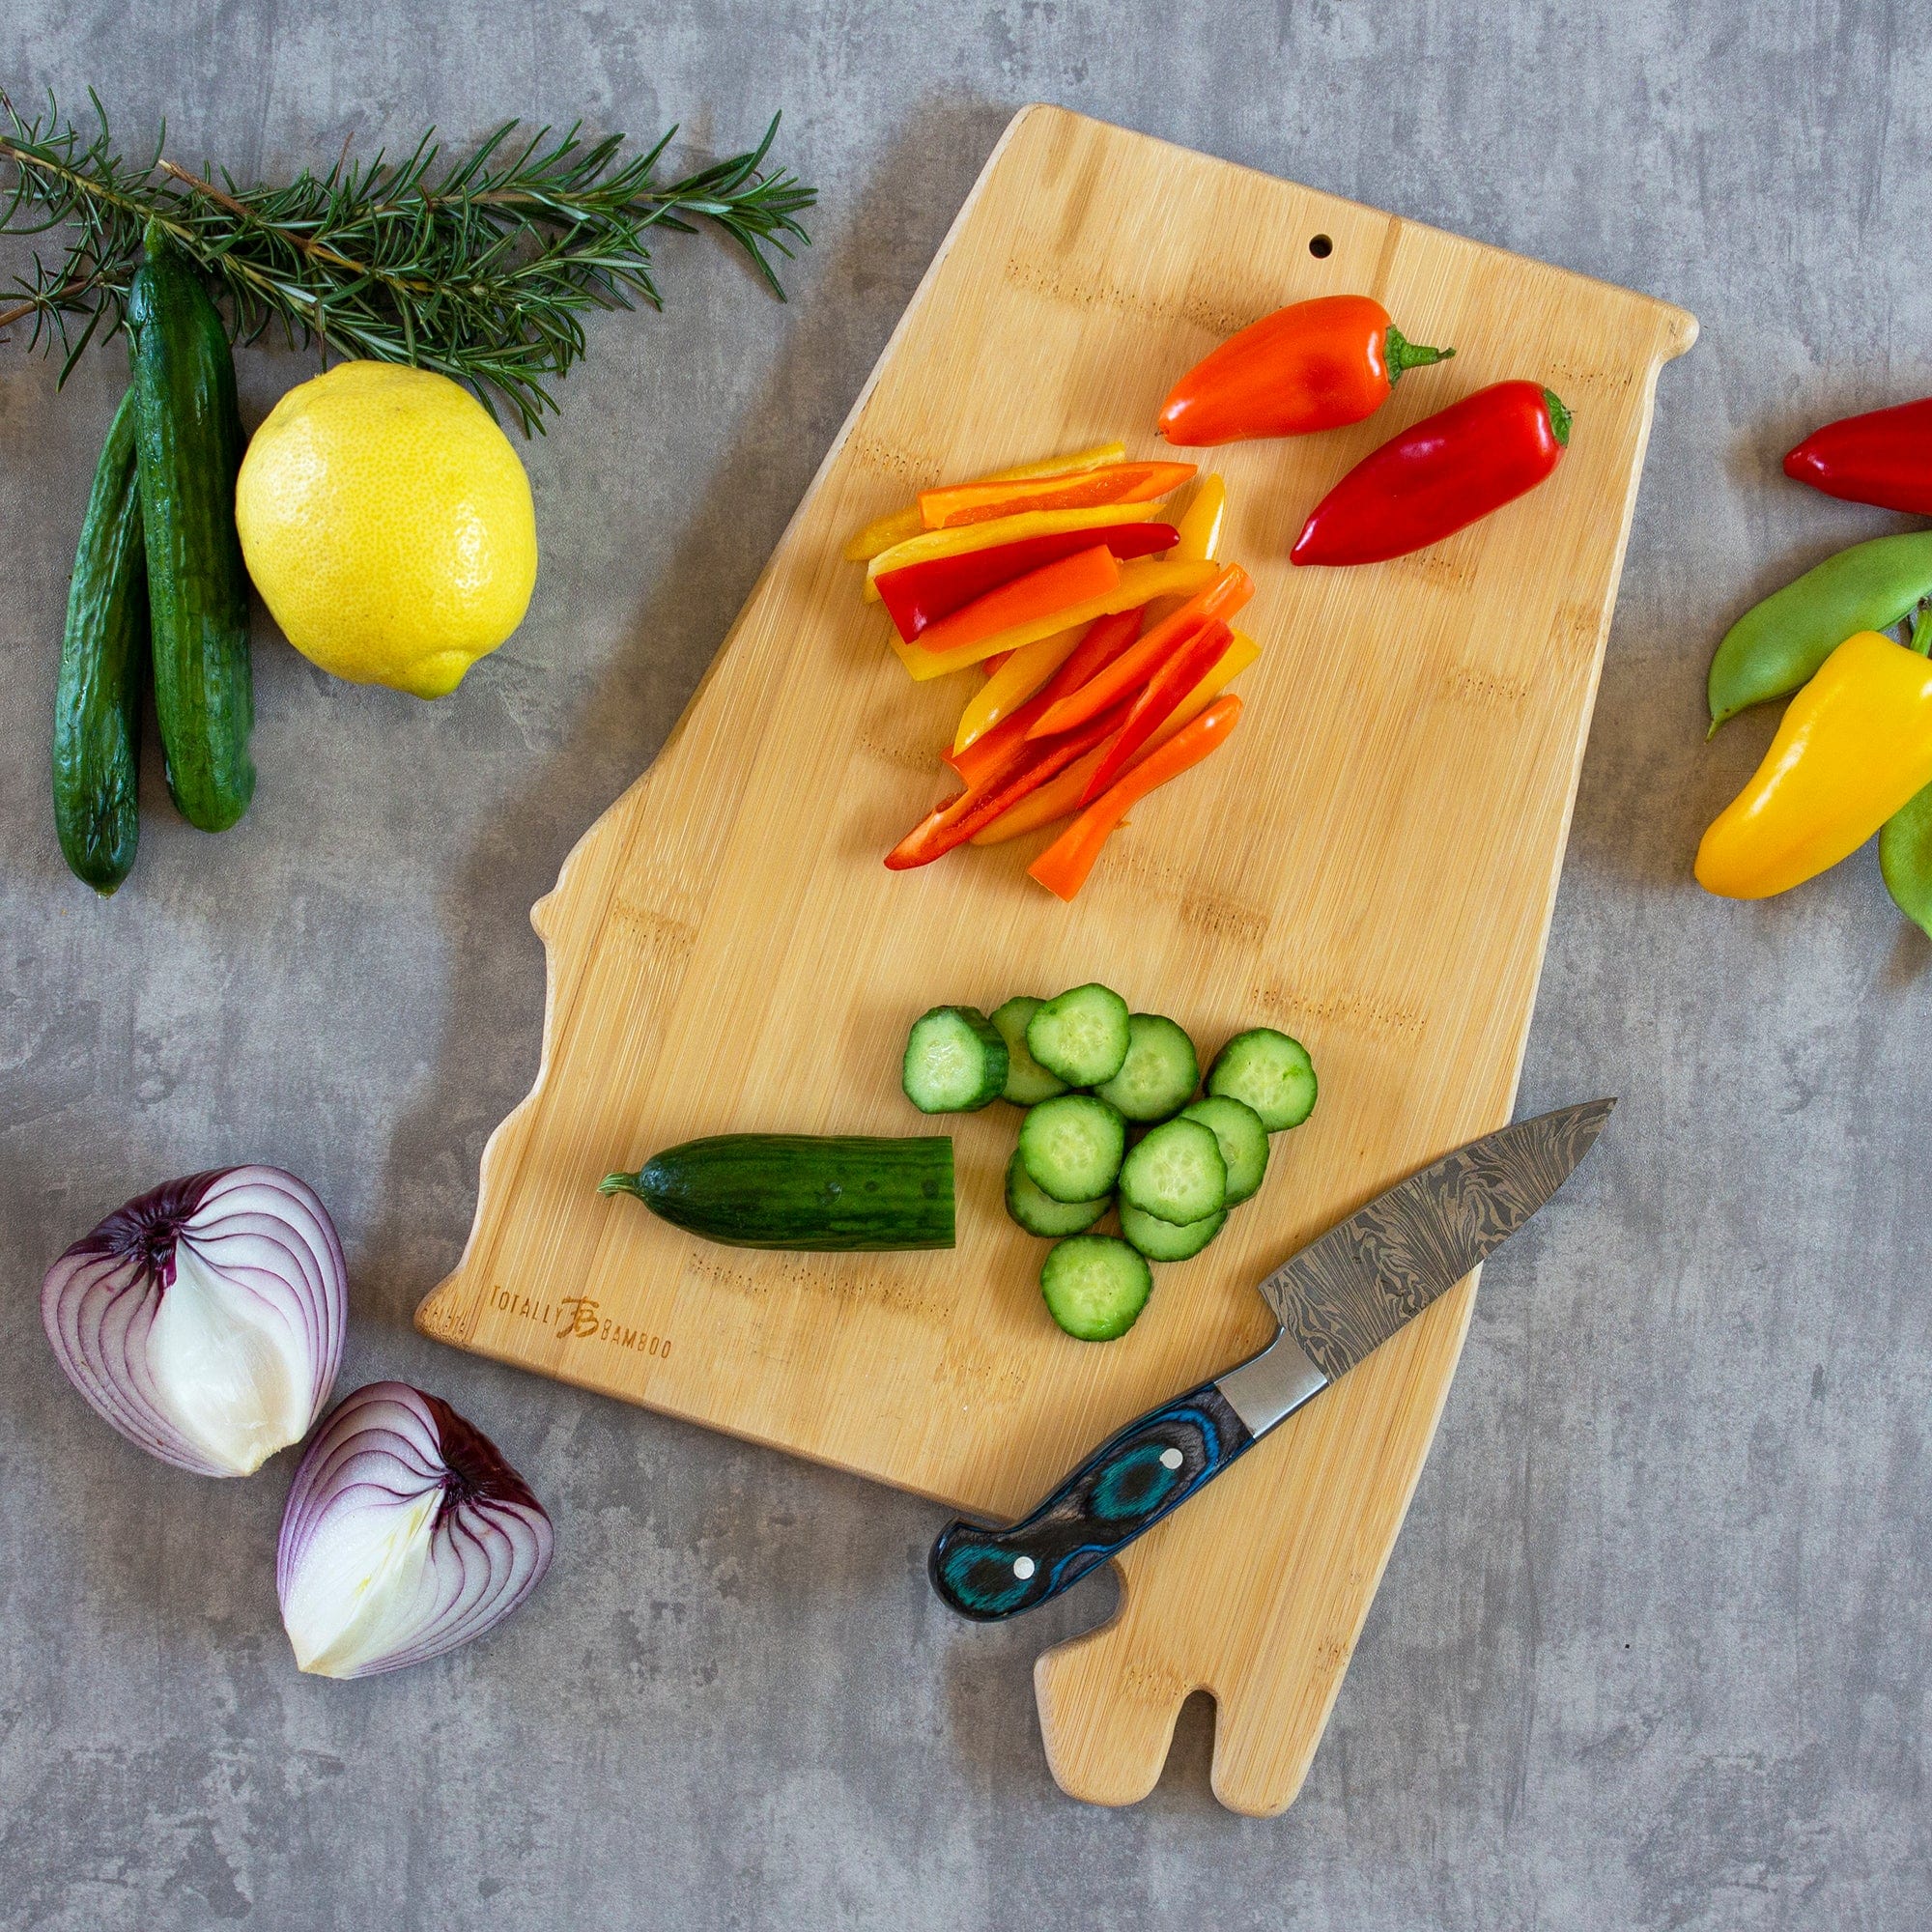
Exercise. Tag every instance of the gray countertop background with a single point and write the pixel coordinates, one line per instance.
(1653, 1649)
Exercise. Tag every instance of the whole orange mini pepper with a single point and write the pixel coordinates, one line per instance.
(1854, 744)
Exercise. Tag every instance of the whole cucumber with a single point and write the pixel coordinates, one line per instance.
(103, 665)
(189, 448)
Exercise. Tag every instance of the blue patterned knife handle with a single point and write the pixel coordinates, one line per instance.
(1127, 1486)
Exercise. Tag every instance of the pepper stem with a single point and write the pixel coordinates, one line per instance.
(1400, 354)
(1559, 416)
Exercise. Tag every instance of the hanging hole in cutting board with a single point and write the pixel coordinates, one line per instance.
(1321, 246)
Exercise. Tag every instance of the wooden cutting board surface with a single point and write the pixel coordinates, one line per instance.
(1369, 864)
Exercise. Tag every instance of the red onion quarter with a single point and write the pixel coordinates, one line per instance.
(406, 1534)
(204, 1321)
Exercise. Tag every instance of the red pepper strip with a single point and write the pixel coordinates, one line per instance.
(922, 593)
(1062, 868)
(1105, 639)
(1432, 480)
(1132, 669)
(956, 822)
(946, 508)
(1054, 586)
(1312, 365)
(1156, 703)
(1883, 458)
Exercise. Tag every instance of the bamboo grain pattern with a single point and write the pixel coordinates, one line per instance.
(1369, 864)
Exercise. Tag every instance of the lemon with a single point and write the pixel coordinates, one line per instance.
(388, 524)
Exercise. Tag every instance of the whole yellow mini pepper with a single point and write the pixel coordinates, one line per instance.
(1854, 744)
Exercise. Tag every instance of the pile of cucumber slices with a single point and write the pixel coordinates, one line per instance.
(1112, 1121)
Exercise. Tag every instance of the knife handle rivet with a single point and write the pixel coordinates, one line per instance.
(1023, 1567)
(1170, 1458)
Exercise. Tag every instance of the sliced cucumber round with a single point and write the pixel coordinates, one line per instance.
(1040, 1213)
(1081, 1034)
(1095, 1286)
(1177, 1174)
(1270, 1072)
(1160, 1072)
(1161, 1240)
(1072, 1147)
(1244, 1141)
(955, 1062)
(1028, 1082)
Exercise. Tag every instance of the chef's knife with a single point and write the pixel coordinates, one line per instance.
(1342, 1295)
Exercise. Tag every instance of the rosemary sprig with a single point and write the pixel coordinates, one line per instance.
(482, 269)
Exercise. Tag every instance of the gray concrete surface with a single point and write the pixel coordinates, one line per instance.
(1653, 1649)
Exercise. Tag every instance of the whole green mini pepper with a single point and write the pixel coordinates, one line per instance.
(1777, 645)
(1904, 844)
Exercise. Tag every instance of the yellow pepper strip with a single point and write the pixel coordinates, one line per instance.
(931, 544)
(1141, 582)
(1017, 680)
(1060, 796)
(1198, 538)
(1854, 744)
(907, 522)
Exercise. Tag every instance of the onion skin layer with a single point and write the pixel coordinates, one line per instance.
(263, 1239)
(393, 1466)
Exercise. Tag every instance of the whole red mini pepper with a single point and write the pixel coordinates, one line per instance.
(1312, 365)
(1432, 480)
(1883, 458)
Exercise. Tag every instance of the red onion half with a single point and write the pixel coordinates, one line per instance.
(204, 1321)
(406, 1534)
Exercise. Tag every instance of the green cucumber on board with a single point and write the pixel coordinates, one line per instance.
(96, 757)
(1177, 1174)
(1072, 1147)
(1081, 1034)
(955, 1062)
(1040, 1213)
(1244, 1141)
(1162, 1240)
(1160, 1072)
(810, 1192)
(1269, 1071)
(188, 449)
(1028, 1082)
(1095, 1286)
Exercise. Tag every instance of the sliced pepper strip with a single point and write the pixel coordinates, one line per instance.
(1199, 535)
(1060, 796)
(1062, 868)
(919, 595)
(1141, 582)
(1040, 594)
(956, 822)
(931, 545)
(901, 524)
(1100, 643)
(1020, 674)
(1157, 701)
(1111, 483)
(1221, 598)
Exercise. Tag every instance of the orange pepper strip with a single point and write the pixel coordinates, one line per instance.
(1112, 483)
(1041, 593)
(1060, 796)
(1141, 580)
(1222, 598)
(1016, 678)
(991, 666)
(1062, 868)
(1104, 640)
(903, 523)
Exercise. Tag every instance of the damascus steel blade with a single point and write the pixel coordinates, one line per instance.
(1349, 1292)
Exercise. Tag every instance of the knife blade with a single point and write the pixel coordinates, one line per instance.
(1335, 1301)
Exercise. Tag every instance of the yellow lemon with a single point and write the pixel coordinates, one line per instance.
(388, 524)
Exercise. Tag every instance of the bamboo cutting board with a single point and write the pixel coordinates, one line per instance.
(1369, 864)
